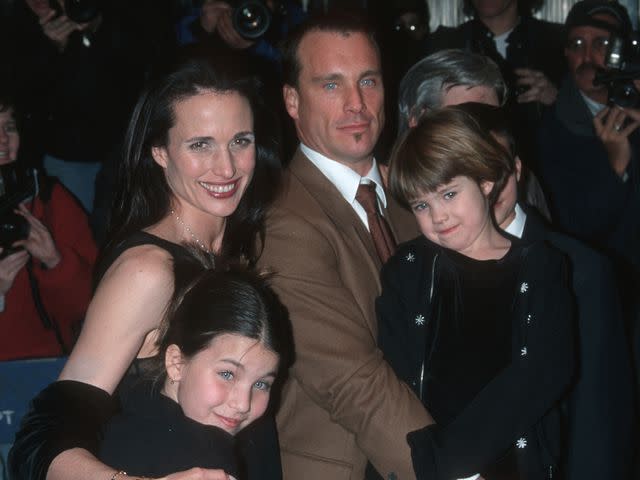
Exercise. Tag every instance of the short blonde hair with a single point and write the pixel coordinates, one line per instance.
(446, 143)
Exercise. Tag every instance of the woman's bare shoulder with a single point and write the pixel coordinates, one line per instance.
(144, 264)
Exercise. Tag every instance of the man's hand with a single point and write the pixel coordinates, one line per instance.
(216, 16)
(540, 87)
(39, 243)
(210, 14)
(9, 268)
(229, 34)
(614, 134)
(58, 29)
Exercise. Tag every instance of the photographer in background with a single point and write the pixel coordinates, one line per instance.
(589, 147)
(213, 23)
(527, 50)
(45, 284)
(77, 74)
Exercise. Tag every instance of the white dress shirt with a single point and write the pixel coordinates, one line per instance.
(516, 227)
(347, 181)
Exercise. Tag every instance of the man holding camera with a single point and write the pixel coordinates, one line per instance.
(588, 145)
(589, 150)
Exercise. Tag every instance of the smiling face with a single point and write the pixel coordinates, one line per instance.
(9, 137)
(456, 215)
(338, 105)
(226, 385)
(210, 156)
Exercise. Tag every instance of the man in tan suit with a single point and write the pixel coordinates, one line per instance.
(343, 404)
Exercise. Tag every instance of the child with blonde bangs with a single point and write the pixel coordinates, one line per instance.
(477, 322)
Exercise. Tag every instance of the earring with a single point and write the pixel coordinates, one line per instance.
(171, 381)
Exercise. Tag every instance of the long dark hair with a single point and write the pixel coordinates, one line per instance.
(142, 197)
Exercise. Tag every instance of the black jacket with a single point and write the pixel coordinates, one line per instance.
(516, 407)
(600, 405)
(588, 200)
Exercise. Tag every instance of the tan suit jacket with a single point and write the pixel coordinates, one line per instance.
(342, 404)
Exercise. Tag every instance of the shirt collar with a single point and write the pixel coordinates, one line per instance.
(593, 106)
(516, 227)
(344, 178)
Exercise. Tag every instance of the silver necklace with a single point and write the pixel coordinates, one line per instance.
(193, 235)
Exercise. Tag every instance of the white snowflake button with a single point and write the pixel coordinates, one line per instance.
(420, 320)
(523, 352)
(521, 443)
(524, 287)
(529, 317)
(410, 257)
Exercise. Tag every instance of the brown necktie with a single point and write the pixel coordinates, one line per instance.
(378, 226)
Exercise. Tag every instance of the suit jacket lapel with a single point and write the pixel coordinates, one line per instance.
(334, 205)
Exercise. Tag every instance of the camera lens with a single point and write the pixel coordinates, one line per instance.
(251, 19)
(82, 11)
(13, 227)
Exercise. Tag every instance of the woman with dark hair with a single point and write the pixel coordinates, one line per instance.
(199, 167)
(478, 323)
(228, 340)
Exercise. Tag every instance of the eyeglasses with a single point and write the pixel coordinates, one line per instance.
(579, 45)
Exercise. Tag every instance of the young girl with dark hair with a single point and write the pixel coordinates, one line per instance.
(227, 339)
(478, 323)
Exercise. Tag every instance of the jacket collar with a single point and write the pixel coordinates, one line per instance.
(572, 111)
(332, 202)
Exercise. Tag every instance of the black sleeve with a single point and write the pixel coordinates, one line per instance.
(517, 398)
(259, 449)
(391, 310)
(405, 285)
(65, 415)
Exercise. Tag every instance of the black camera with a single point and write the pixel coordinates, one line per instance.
(16, 185)
(79, 11)
(251, 18)
(623, 67)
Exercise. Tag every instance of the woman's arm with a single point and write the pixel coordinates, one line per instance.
(78, 464)
(127, 306)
